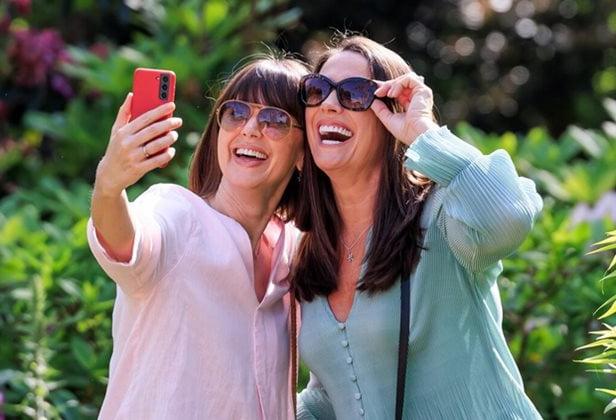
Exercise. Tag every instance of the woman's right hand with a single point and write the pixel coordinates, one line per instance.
(136, 147)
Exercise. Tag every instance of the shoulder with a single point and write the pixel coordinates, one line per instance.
(169, 202)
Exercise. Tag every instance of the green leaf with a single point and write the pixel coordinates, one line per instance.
(83, 352)
(609, 312)
(607, 391)
(609, 343)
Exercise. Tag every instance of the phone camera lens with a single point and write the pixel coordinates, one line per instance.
(163, 95)
(165, 78)
(164, 87)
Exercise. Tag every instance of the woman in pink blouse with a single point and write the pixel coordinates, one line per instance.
(200, 323)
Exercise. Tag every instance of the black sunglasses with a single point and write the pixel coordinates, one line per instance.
(274, 122)
(354, 93)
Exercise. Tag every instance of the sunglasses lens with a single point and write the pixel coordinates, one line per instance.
(275, 122)
(315, 90)
(233, 114)
(356, 94)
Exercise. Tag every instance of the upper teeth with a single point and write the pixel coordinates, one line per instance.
(250, 152)
(334, 129)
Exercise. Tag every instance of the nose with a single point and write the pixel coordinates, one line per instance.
(251, 128)
(331, 104)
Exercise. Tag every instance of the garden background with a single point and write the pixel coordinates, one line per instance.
(534, 77)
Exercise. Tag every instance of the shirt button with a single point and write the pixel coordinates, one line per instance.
(361, 411)
(349, 360)
(344, 343)
(358, 396)
(353, 378)
(341, 326)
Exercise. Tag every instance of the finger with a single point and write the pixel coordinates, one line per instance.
(382, 112)
(161, 143)
(123, 113)
(155, 130)
(157, 161)
(150, 117)
(421, 103)
(383, 88)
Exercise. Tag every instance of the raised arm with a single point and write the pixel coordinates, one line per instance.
(486, 209)
(134, 149)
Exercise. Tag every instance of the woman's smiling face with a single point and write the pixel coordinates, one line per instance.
(248, 158)
(344, 141)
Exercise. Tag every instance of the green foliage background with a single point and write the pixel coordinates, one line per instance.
(55, 302)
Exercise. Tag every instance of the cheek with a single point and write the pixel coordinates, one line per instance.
(222, 149)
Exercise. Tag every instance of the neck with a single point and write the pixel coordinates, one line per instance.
(252, 208)
(356, 200)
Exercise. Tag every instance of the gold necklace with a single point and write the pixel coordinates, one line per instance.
(349, 248)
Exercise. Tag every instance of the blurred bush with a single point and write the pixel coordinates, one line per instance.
(498, 64)
(66, 66)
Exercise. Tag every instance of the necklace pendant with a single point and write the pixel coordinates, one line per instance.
(349, 257)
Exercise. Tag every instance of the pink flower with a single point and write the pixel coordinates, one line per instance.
(4, 114)
(100, 49)
(33, 55)
(5, 23)
(60, 84)
(23, 7)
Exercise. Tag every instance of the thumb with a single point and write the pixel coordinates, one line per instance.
(123, 113)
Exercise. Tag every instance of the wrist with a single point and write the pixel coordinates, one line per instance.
(102, 190)
(422, 127)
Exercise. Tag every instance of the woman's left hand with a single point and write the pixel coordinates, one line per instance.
(416, 99)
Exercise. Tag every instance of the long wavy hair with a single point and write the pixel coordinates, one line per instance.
(395, 243)
(268, 80)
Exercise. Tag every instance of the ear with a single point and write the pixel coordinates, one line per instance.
(299, 163)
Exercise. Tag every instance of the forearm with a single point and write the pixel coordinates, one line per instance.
(114, 227)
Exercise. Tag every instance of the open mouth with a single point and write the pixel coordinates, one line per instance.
(334, 134)
(250, 154)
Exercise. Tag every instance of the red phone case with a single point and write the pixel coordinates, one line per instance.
(149, 90)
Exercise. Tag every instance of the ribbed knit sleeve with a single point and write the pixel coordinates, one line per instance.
(487, 209)
(313, 402)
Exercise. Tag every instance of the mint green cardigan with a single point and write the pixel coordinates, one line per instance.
(459, 365)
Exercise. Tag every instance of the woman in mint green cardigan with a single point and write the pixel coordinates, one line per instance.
(390, 195)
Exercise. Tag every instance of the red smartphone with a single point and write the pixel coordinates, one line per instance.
(151, 88)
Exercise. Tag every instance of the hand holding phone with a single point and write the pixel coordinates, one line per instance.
(143, 133)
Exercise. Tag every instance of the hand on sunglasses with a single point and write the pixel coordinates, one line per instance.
(416, 99)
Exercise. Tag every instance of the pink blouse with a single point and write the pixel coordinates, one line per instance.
(191, 340)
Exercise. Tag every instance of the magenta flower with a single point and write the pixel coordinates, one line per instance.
(4, 114)
(33, 55)
(1, 404)
(23, 7)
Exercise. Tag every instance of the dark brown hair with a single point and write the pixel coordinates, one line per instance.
(270, 81)
(396, 238)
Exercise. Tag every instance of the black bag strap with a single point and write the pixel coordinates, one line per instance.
(403, 344)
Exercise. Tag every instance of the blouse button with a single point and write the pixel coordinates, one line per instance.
(344, 343)
(349, 360)
(353, 378)
(358, 396)
(341, 326)
(361, 411)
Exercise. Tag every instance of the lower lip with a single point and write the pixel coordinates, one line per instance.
(247, 162)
